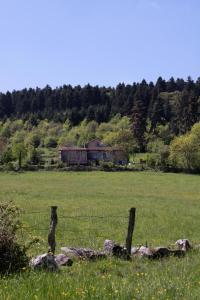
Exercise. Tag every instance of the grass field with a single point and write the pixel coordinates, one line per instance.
(168, 208)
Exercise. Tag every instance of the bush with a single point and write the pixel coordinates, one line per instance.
(34, 156)
(106, 166)
(12, 255)
(11, 166)
(50, 142)
(34, 140)
(184, 151)
(7, 156)
(28, 167)
(153, 160)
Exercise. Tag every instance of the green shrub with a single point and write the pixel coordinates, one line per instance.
(50, 142)
(153, 160)
(106, 166)
(11, 166)
(34, 140)
(12, 255)
(34, 156)
(7, 156)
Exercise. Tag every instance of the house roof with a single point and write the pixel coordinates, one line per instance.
(72, 149)
(90, 149)
(99, 148)
(96, 139)
(87, 145)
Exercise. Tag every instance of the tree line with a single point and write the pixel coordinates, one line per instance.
(24, 144)
(27, 146)
(172, 102)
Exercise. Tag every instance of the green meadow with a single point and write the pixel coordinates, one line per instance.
(93, 206)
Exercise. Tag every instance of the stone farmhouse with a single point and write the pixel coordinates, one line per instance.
(93, 152)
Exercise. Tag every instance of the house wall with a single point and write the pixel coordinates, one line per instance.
(94, 152)
(95, 155)
(74, 157)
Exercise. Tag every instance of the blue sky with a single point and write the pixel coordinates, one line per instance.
(100, 42)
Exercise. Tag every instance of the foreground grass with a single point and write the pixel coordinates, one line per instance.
(168, 208)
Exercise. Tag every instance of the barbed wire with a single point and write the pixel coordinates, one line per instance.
(34, 212)
(91, 217)
(58, 229)
(65, 234)
(78, 216)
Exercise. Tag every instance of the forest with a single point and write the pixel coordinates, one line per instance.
(142, 117)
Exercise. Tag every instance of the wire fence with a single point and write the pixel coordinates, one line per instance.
(76, 229)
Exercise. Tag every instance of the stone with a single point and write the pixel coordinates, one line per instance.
(160, 252)
(156, 253)
(115, 249)
(144, 252)
(63, 260)
(44, 261)
(83, 253)
(183, 244)
(134, 250)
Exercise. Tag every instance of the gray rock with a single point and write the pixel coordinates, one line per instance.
(156, 253)
(144, 252)
(83, 253)
(134, 250)
(44, 262)
(183, 244)
(115, 249)
(63, 260)
(109, 245)
(160, 252)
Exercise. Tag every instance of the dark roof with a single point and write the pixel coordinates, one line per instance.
(72, 149)
(90, 149)
(96, 139)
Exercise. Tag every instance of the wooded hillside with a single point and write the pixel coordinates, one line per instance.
(176, 102)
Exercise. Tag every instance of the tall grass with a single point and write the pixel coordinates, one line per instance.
(168, 208)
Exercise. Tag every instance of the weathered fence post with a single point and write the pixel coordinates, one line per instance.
(131, 225)
(52, 229)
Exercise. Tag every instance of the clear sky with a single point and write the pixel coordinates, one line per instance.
(100, 42)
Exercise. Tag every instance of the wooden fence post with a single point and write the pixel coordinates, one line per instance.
(131, 225)
(52, 229)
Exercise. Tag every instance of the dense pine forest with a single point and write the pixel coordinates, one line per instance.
(176, 102)
(143, 117)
